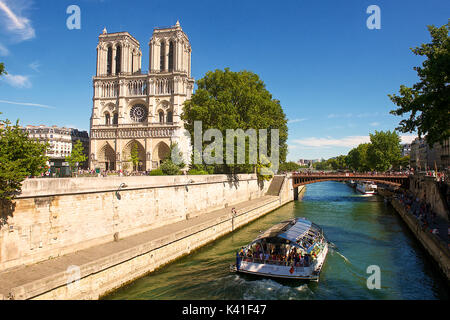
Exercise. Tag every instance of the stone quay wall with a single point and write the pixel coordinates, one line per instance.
(430, 242)
(54, 217)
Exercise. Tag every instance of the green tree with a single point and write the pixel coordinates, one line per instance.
(428, 101)
(384, 150)
(402, 163)
(323, 165)
(289, 166)
(134, 156)
(77, 156)
(235, 100)
(2, 69)
(357, 158)
(20, 157)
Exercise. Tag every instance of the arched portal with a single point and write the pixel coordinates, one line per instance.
(134, 156)
(160, 153)
(107, 158)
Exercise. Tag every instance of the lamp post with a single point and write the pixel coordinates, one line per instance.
(122, 185)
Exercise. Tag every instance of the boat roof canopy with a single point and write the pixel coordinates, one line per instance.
(292, 230)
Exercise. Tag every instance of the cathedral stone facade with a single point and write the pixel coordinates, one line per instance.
(131, 107)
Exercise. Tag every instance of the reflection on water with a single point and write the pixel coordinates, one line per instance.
(363, 231)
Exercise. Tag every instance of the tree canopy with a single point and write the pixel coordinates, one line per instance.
(384, 150)
(20, 157)
(289, 166)
(235, 100)
(2, 68)
(77, 155)
(428, 101)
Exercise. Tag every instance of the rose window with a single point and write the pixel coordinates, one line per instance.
(138, 113)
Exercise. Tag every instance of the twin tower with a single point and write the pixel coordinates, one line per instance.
(136, 109)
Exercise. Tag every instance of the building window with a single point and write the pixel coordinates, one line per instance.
(107, 118)
(162, 55)
(115, 118)
(171, 56)
(109, 61)
(118, 59)
(161, 116)
(170, 117)
(139, 113)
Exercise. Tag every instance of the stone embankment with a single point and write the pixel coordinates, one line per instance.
(426, 189)
(109, 236)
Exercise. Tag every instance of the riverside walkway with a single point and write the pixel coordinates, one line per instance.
(40, 280)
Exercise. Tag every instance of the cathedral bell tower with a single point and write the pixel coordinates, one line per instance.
(139, 110)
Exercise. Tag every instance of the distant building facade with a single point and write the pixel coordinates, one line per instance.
(135, 108)
(406, 149)
(306, 162)
(61, 141)
(422, 157)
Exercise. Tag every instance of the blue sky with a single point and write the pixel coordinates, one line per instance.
(330, 72)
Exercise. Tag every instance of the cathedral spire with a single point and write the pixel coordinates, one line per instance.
(105, 31)
(177, 24)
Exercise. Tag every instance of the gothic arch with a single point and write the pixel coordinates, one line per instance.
(107, 157)
(160, 152)
(126, 154)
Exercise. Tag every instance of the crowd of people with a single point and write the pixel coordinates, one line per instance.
(278, 255)
(420, 209)
(351, 173)
(93, 173)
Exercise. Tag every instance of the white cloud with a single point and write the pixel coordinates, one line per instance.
(12, 18)
(350, 141)
(3, 50)
(351, 115)
(35, 66)
(296, 120)
(407, 138)
(17, 81)
(374, 124)
(28, 104)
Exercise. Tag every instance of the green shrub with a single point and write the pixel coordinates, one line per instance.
(170, 168)
(156, 172)
(197, 172)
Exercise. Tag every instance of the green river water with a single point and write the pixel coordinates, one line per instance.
(363, 231)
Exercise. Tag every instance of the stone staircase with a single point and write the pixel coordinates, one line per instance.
(275, 186)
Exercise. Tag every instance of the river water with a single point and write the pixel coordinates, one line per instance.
(364, 231)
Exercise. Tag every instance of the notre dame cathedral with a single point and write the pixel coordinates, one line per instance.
(132, 107)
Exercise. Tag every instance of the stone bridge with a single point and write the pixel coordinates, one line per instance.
(299, 179)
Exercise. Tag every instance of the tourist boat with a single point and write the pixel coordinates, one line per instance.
(292, 249)
(351, 183)
(366, 187)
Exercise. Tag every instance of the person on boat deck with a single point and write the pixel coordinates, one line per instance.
(306, 260)
(266, 256)
(296, 259)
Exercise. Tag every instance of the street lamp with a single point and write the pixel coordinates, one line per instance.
(122, 185)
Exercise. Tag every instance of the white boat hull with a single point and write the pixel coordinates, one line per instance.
(363, 190)
(311, 272)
